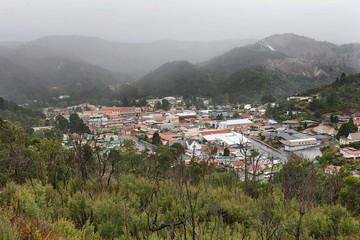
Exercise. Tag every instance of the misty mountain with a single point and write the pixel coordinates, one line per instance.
(135, 59)
(241, 57)
(18, 83)
(309, 49)
(23, 78)
(279, 65)
(176, 78)
(10, 44)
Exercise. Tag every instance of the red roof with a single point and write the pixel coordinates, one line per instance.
(93, 112)
(254, 167)
(183, 124)
(206, 150)
(238, 163)
(215, 132)
(242, 129)
(350, 150)
(111, 115)
(164, 137)
(230, 149)
(118, 108)
(75, 136)
(333, 168)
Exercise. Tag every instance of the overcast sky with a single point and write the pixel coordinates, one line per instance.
(147, 20)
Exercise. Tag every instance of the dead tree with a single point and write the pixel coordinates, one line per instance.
(299, 180)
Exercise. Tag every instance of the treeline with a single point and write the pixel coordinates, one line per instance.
(85, 192)
(247, 84)
(338, 96)
(25, 116)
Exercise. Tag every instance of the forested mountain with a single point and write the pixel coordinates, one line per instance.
(280, 65)
(18, 83)
(25, 117)
(48, 67)
(177, 78)
(24, 78)
(341, 95)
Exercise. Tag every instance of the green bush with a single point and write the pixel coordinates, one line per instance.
(6, 231)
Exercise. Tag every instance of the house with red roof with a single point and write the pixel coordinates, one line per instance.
(244, 130)
(331, 169)
(75, 136)
(254, 169)
(221, 150)
(350, 153)
(165, 139)
(237, 164)
(123, 111)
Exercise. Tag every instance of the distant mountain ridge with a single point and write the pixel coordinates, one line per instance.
(29, 79)
(279, 64)
(135, 59)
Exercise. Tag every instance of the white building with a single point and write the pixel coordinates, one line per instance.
(298, 144)
(232, 124)
(226, 139)
(350, 153)
(247, 106)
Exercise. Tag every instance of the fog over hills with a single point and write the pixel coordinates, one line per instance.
(135, 59)
(245, 69)
(279, 64)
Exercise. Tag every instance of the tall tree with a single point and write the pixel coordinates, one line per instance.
(62, 123)
(158, 105)
(77, 125)
(352, 126)
(156, 140)
(165, 105)
(226, 152)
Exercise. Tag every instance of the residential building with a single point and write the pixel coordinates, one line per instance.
(353, 137)
(350, 153)
(331, 169)
(123, 111)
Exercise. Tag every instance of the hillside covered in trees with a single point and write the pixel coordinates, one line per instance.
(341, 95)
(90, 70)
(280, 64)
(48, 191)
(24, 116)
